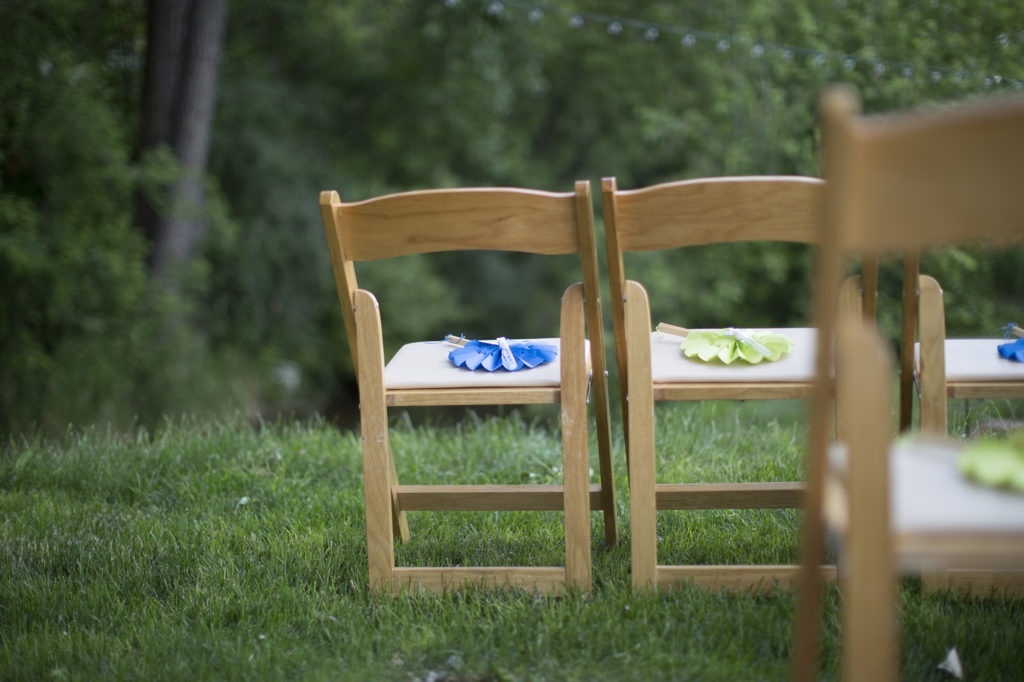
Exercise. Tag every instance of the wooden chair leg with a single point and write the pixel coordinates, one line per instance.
(870, 631)
(575, 468)
(399, 522)
(908, 333)
(377, 489)
(604, 458)
(933, 357)
(640, 416)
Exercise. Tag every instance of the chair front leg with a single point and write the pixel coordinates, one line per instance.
(933, 356)
(377, 466)
(575, 465)
(640, 420)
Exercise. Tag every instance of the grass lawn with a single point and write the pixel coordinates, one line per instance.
(227, 551)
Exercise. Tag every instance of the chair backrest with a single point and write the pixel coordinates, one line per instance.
(713, 210)
(903, 182)
(914, 180)
(500, 219)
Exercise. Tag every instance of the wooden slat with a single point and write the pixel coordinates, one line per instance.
(908, 337)
(733, 391)
(984, 389)
(377, 483)
(575, 471)
(546, 497)
(909, 151)
(716, 210)
(426, 221)
(410, 397)
(760, 578)
(543, 579)
(616, 287)
(344, 271)
(769, 495)
(932, 361)
(640, 416)
(869, 618)
(598, 359)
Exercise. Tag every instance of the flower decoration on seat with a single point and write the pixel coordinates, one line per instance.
(996, 462)
(1014, 350)
(511, 356)
(730, 344)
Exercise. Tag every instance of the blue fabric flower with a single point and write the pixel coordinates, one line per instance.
(1013, 350)
(511, 356)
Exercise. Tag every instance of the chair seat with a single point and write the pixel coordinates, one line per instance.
(935, 510)
(976, 360)
(669, 365)
(425, 364)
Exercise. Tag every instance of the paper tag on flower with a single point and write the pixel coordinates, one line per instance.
(729, 345)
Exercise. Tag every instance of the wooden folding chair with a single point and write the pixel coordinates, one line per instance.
(899, 183)
(940, 369)
(652, 367)
(503, 219)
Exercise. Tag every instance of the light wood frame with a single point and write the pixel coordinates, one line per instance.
(677, 215)
(895, 184)
(507, 219)
(924, 317)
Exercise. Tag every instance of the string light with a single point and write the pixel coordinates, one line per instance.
(688, 37)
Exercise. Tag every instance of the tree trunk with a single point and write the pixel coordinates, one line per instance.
(182, 58)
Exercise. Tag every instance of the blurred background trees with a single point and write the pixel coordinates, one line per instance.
(368, 97)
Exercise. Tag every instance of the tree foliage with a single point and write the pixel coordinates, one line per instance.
(366, 98)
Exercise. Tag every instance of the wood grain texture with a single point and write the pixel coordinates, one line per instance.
(598, 357)
(932, 364)
(908, 337)
(503, 219)
(640, 415)
(758, 579)
(734, 390)
(575, 468)
(617, 288)
(719, 210)
(493, 497)
(374, 432)
(344, 272)
(984, 389)
(542, 579)
(755, 495)
(422, 397)
(899, 192)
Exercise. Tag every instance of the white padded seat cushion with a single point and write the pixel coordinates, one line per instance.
(669, 365)
(426, 365)
(976, 360)
(931, 504)
(929, 494)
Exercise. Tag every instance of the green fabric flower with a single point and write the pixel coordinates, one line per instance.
(996, 463)
(729, 345)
